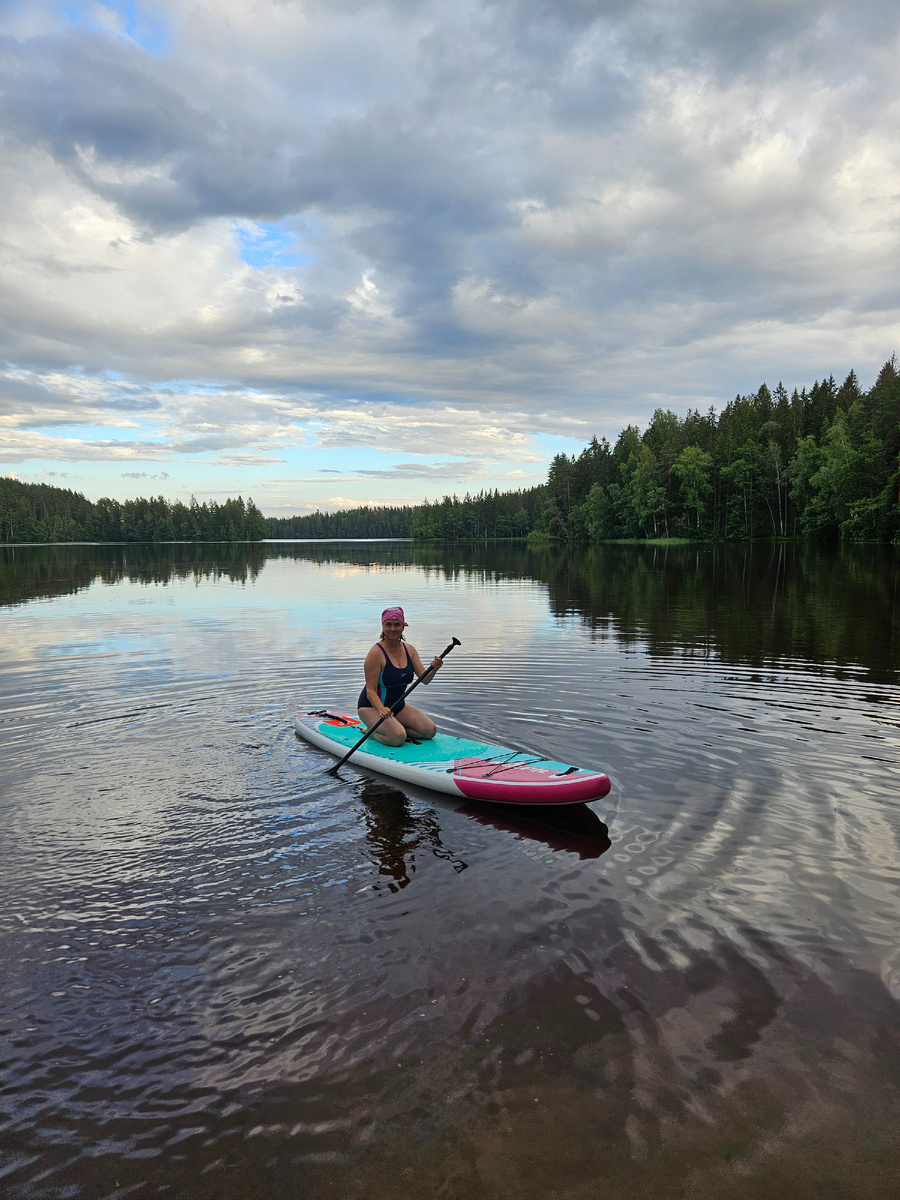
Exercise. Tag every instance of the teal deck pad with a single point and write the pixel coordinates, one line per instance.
(441, 748)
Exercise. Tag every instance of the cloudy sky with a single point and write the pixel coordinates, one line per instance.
(325, 252)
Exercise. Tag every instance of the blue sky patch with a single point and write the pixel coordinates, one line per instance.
(126, 17)
(261, 244)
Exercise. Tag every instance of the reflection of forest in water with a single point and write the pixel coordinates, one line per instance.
(747, 603)
(36, 572)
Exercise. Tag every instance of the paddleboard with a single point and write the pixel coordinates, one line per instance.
(456, 766)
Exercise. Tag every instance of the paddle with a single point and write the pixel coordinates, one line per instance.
(333, 770)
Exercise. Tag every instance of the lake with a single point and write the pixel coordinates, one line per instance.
(230, 974)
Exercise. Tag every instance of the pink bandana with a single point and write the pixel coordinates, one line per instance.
(393, 614)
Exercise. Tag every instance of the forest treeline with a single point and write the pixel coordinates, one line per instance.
(819, 462)
(814, 463)
(824, 461)
(490, 514)
(39, 512)
(362, 522)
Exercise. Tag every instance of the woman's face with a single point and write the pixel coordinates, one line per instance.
(392, 629)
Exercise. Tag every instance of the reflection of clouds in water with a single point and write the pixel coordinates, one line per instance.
(873, 898)
(890, 973)
(776, 816)
(645, 1068)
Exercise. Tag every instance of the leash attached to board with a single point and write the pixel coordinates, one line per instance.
(412, 687)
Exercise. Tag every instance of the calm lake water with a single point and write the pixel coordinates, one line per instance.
(228, 974)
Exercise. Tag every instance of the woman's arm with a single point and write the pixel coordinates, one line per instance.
(374, 659)
(436, 664)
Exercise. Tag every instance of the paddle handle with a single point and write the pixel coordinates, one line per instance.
(425, 675)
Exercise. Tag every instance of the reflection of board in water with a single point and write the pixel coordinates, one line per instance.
(575, 828)
(395, 831)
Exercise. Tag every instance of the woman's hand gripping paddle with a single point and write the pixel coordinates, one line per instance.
(425, 674)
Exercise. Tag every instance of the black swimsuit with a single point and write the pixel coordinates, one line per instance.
(392, 682)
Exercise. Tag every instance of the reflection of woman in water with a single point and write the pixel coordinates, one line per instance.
(395, 833)
(390, 667)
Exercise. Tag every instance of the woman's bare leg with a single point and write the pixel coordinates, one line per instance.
(389, 733)
(417, 723)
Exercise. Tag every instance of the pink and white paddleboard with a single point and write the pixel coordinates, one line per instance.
(457, 766)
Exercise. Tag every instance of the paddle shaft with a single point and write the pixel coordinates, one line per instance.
(393, 708)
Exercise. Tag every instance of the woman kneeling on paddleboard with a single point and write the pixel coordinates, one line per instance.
(390, 667)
